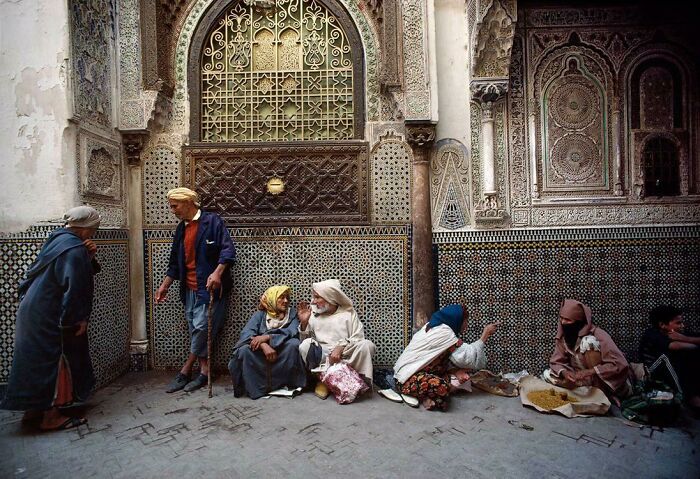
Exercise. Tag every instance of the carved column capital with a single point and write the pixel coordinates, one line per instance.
(134, 141)
(420, 134)
(487, 92)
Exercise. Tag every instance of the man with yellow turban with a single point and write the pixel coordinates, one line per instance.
(200, 259)
(266, 356)
(333, 331)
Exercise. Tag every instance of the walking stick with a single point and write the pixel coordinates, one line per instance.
(209, 316)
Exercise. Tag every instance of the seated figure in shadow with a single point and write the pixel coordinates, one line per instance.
(266, 357)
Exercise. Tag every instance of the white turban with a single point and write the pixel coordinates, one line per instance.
(184, 194)
(82, 217)
(331, 292)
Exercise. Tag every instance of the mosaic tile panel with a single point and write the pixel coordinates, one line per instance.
(372, 264)
(391, 182)
(161, 173)
(520, 279)
(109, 327)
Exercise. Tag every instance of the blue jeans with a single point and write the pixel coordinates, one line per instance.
(196, 316)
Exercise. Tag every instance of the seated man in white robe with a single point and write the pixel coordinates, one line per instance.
(333, 332)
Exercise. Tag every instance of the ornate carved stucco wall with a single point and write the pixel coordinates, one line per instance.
(385, 178)
(570, 156)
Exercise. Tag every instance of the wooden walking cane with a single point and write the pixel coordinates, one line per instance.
(210, 310)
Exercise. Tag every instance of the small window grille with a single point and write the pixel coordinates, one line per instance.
(660, 163)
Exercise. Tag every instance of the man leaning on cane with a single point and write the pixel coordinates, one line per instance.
(200, 259)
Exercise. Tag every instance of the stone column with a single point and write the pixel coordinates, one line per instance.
(133, 145)
(617, 154)
(421, 135)
(532, 140)
(487, 93)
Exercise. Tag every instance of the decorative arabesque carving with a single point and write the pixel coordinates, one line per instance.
(92, 42)
(491, 37)
(323, 182)
(491, 27)
(573, 87)
(103, 170)
(450, 186)
(144, 102)
(415, 62)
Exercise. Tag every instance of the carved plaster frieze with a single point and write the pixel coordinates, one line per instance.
(415, 48)
(616, 215)
(100, 166)
(491, 36)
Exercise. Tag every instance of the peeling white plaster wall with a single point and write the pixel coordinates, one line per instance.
(452, 62)
(37, 144)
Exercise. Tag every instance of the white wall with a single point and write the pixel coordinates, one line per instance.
(37, 147)
(452, 60)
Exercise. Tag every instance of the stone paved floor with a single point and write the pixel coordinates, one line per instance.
(137, 431)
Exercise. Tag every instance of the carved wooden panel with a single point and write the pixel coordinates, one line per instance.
(310, 183)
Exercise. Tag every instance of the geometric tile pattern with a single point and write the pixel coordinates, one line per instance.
(110, 321)
(391, 181)
(109, 324)
(372, 264)
(520, 278)
(161, 173)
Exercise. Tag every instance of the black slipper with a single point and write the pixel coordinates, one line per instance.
(69, 423)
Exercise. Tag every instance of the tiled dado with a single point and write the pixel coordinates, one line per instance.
(109, 329)
(520, 278)
(371, 262)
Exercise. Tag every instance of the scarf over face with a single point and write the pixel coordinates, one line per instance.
(577, 312)
(275, 318)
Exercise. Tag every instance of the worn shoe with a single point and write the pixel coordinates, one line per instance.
(178, 383)
(410, 400)
(321, 390)
(391, 395)
(196, 383)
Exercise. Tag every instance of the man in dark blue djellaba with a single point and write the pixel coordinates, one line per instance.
(266, 356)
(200, 259)
(51, 367)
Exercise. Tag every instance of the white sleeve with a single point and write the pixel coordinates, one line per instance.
(469, 356)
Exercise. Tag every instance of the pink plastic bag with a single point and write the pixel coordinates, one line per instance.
(344, 382)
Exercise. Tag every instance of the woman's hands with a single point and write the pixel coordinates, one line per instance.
(489, 329)
(258, 341)
(269, 352)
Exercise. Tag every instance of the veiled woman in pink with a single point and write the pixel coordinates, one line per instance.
(585, 355)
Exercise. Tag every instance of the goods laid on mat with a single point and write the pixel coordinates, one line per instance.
(582, 401)
(493, 383)
(550, 399)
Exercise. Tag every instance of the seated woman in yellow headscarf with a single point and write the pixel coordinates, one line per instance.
(266, 356)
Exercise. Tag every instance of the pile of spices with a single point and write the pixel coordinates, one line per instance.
(550, 399)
